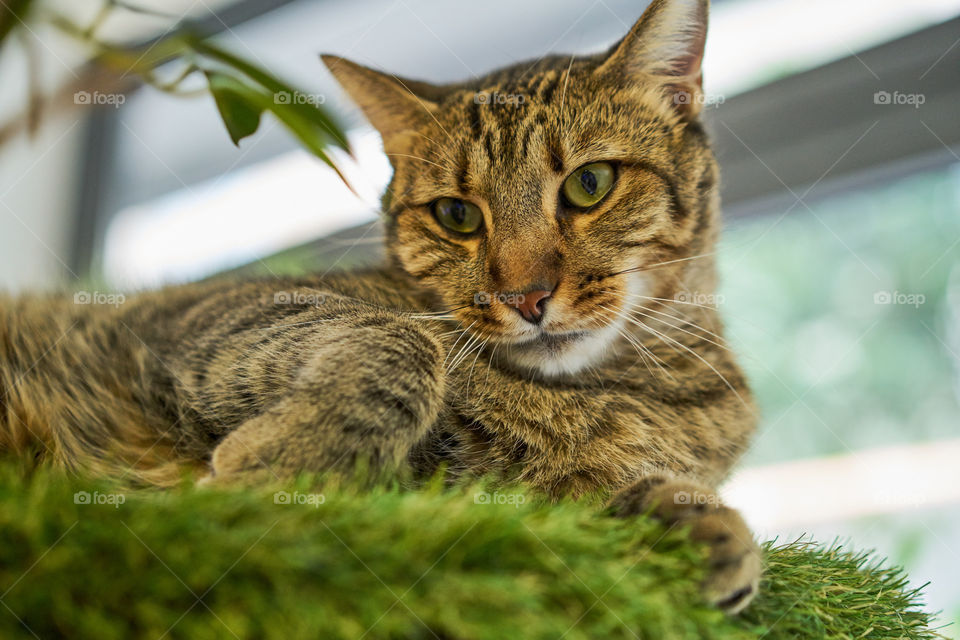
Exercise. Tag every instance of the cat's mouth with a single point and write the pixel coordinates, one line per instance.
(557, 344)
(554, 354)
(552, 341)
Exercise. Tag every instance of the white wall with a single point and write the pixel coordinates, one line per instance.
(38, 177)
(38, 189)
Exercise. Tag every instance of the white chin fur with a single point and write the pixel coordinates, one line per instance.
(573, 356)
(552, 361)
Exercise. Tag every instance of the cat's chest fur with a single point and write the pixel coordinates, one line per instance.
(589, 433)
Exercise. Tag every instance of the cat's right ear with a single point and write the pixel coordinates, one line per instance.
(666, 45)
(394, 106)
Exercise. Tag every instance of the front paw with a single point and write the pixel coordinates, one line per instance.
(734, 557)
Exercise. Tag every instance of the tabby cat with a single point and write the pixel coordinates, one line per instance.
(544, 225)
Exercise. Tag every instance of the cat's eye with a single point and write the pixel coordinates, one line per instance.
(458, 215)
(588, 185)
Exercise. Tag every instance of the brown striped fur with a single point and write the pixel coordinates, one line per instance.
(624, 387)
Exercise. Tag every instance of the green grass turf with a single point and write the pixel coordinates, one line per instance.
(390, 563)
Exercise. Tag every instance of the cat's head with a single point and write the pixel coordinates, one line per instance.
(538, 201)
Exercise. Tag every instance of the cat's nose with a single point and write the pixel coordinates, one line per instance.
(531, 304)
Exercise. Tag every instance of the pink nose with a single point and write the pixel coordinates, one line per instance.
(531, 305)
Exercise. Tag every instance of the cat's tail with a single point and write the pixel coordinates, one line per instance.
(18, 433)
(73, 393)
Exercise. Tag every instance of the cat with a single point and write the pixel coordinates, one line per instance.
(543, 225)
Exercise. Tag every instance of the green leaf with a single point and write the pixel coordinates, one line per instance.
(239, 106)
(313, 114)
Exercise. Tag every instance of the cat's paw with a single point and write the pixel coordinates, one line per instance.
(735, 564)
(225, 479)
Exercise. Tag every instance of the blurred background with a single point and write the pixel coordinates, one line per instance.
(837, 130)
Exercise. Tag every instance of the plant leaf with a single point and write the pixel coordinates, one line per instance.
(239, 106)
(315, 114)
(315, 138)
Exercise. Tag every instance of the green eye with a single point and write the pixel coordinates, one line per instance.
(457, 215)
(589, 184)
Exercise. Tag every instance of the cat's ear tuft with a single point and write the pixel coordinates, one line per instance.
(666, 44)
(394, 106)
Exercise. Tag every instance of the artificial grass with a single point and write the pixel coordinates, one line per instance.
(391, 563)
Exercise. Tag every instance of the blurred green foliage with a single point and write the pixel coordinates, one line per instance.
(836, 364)
(845, 316)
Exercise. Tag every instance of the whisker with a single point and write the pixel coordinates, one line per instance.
(686, 319)
(669, 300)
(672, 326)
(434, 314)
(634, 341)
(454, 345)
(424, 107)
(407, 155)
(438, 147)
(456, 359)
(491, 362)
(643, 352)
(681, 317)
(696, 355)
(467, 349)
(636, 344)
(473, 366)
(563, 94)
(657, 265)
(477, 343)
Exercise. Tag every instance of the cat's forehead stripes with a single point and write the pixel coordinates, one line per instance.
(508, 112)
(522, 129)
(507, 160)
(506, 149)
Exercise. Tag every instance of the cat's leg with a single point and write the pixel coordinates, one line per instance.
(368, 391)
(735, 559)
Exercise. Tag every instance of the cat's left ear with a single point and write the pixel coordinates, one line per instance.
(666, 45)
(394, 106)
